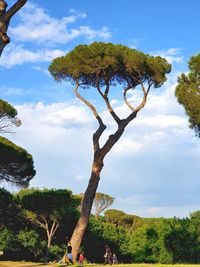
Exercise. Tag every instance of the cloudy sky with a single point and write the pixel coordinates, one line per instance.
(154, 169)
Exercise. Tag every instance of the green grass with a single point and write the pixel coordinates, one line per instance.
(33, 264)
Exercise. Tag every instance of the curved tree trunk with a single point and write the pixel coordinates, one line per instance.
(86, 207)
(90, 192)
(99, 155)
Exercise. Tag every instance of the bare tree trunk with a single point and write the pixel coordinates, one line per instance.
(99, 155)
(50, 235)
(90, 192)
(48, 249)
(86, 207)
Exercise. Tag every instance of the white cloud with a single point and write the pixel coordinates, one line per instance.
(92, 34)
(127, 145)
(17, 55)
(146, 168)
(79, 177)
(55, 115)
(6, 91)
(39, 27)
(162, 121)
(172, 55)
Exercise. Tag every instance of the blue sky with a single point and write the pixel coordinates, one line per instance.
(154, 169)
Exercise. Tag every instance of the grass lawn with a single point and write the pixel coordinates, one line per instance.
(27, 264)
(33, 264)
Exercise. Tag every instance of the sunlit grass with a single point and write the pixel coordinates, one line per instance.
(33, 264)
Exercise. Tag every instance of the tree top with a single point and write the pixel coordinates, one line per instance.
(103, 64)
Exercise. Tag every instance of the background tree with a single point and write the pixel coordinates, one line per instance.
(8, 117)
(188, 93)
(16, 165)
(19, 169)
(46, 208)
(101, 202)
(5, 17)
(10, 222)
(120, 218)
(195, 232)
(11, 211)
(114, 216)
(102, 66)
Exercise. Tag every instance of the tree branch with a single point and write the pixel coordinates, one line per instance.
(142, 104)
(109, 107)
(112, 139)
(54, 227)
(101, 128)
(145, 93)
(126, 101)
(13, 9)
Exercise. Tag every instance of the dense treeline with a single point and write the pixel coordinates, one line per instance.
(28, 217)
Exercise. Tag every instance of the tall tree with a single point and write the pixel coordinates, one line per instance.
(188, 93)
(102, 66)
(5, 17)
(102, 202)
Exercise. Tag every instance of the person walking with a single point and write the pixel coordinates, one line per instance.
(69, 252)
(81, 259)
(107, 255)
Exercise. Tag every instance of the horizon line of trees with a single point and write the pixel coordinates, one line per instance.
(31, 215)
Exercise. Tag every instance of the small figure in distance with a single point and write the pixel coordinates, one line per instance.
(69, 252)
(114, 259)
(81, 259)
(107, 255)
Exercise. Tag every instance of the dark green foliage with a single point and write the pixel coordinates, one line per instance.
(102, 233)
(8, 117)
(7, 110)
(188, 93)
(132, 238)
(54, 201)
(102, 63)
(8, 209)
(30, 244)
(165, 241)
(6, 239)
(120, 218)
(47, 208)
(16, 165)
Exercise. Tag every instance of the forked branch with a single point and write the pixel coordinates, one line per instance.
(101, 127)
(125, 98)
(144, 99)
(109, 107)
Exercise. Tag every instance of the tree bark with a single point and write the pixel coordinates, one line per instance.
(86, 207)
(50, 235)
(99, 155)
(48, 249)
(5, 17)
(90, 192)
